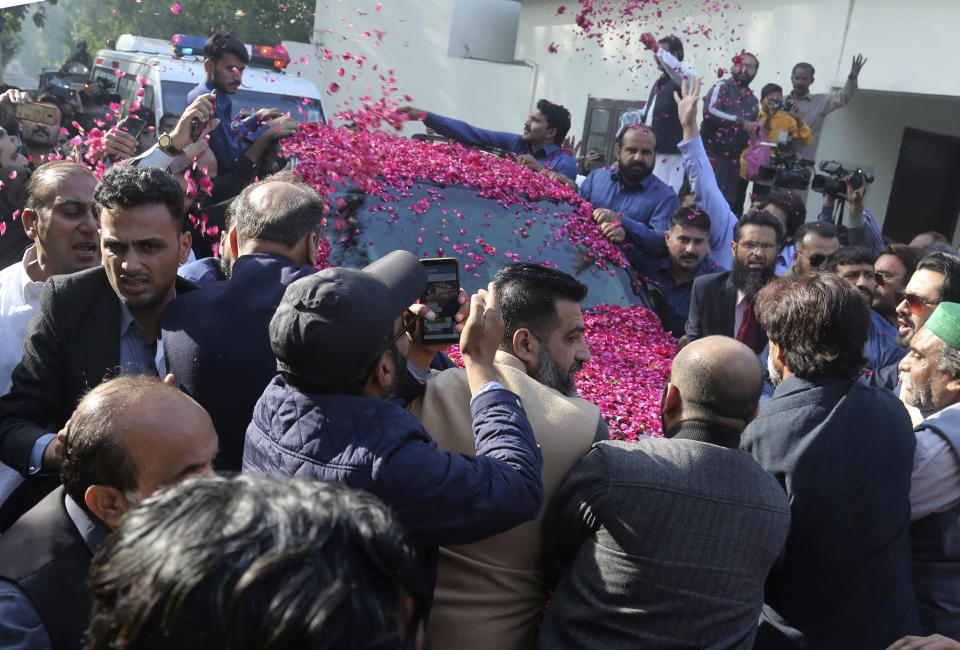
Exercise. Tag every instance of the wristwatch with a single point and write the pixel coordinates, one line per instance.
(165, 144)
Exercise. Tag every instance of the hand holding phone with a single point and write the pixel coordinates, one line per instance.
(197, 125)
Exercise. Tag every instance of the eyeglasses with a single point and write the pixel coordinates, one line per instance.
(751, 246)
(887, 275)
(915, 302)
(879, 279)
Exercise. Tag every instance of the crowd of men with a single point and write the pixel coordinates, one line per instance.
(242, 451)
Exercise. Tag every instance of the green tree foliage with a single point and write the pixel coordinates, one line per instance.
(13, 18)
(264, 22)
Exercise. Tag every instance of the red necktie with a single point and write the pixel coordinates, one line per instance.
(749, 327)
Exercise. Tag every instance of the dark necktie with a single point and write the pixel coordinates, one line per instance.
(749, 327)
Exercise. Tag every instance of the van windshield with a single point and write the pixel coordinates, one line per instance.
(302, 109)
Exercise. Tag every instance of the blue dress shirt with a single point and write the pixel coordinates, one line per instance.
(785, 259)
(881, 348)
(226, 143)
(710, 199)
(203, 271)
(552, 156)
(677, 294)
(645, 207)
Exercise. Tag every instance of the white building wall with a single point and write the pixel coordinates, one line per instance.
(909, 46)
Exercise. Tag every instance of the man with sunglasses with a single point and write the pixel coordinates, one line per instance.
(895, 265)
(813, 243)
(855, 265)
(341, 346)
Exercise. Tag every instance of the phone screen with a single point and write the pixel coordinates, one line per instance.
(132, 125)
(441, 296)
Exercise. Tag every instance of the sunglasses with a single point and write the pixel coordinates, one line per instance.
(814, 260)
(915, 302)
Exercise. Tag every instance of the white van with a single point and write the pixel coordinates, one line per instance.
(171, 76)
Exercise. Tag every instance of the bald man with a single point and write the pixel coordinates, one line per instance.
(127, 438)
(216, 342)
(668, 541)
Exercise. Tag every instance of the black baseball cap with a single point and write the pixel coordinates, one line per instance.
(331, 325)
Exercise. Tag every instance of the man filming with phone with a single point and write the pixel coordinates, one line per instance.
(225, 58)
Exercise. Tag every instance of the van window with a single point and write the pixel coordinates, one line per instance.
(301, 109)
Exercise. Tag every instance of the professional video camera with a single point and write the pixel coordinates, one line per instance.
(832, 182)
(787, 170)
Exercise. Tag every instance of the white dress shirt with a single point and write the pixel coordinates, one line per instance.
(19, 299)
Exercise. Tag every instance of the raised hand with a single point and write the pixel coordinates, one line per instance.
(857, 66)
(687, 102)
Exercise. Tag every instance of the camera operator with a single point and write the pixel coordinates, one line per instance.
(862, 228)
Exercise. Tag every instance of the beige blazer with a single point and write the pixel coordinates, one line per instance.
(490, 594)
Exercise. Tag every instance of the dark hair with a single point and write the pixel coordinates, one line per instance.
(823, 229)
(938, 247)
(752, 56)
(285, 219)
(805, 66)
(43, 181)
(692, 216)
(558, 118)
(907, 256)
(13, 195)
(849, 255)
(255, 562)
(131, 187)
(758, 218)
(936, 236)
(819, 321)
(949, 267)
(770, 88)
(790, 204)
(94, 452)
(528, 294)
(674, 46)
(222, 43)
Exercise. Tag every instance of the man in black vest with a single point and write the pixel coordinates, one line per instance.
(660, 111)
(127, 438)
(96, 324)
(843, 453)
(930, 376)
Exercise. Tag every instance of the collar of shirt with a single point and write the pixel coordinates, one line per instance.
(127, 321)
(30, 289)
(662, 265)
(92, 530)
(548, 152)
(704, 432)
(224, 103)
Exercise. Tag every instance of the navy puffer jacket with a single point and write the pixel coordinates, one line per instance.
(441, 497)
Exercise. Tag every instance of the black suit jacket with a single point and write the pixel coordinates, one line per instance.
(216, 342)
(713, 309)
(72, 344)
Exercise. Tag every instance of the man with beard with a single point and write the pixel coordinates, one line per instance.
(666, 542)
(341, 343)
(843, 453)
(688, 246)
(494, 588)
(539, 148)
(40, 140)
(224, 59)
(729, 104)
(895, 264)
(98, 323)
(931, 383)
(723, 303)
(855, 265)
(629, 202)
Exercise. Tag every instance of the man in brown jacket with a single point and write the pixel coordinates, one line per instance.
(490, 594)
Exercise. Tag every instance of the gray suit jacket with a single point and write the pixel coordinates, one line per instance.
(662, 543)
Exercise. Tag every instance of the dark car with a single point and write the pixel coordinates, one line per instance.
(445, 200)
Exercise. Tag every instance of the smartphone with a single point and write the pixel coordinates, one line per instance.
(132, 125)
(197, 126)
(41, 113)
(442, 297)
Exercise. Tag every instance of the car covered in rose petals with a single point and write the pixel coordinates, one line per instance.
(445, 200)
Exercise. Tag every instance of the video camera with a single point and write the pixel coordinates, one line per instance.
(786, 170)
(832, 182)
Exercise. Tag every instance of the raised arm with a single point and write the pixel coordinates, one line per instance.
(697, 166)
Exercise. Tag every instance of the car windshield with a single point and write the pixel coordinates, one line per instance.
(302, 109)
(458, 223)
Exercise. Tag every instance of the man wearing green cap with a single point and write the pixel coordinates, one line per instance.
(930, 376)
